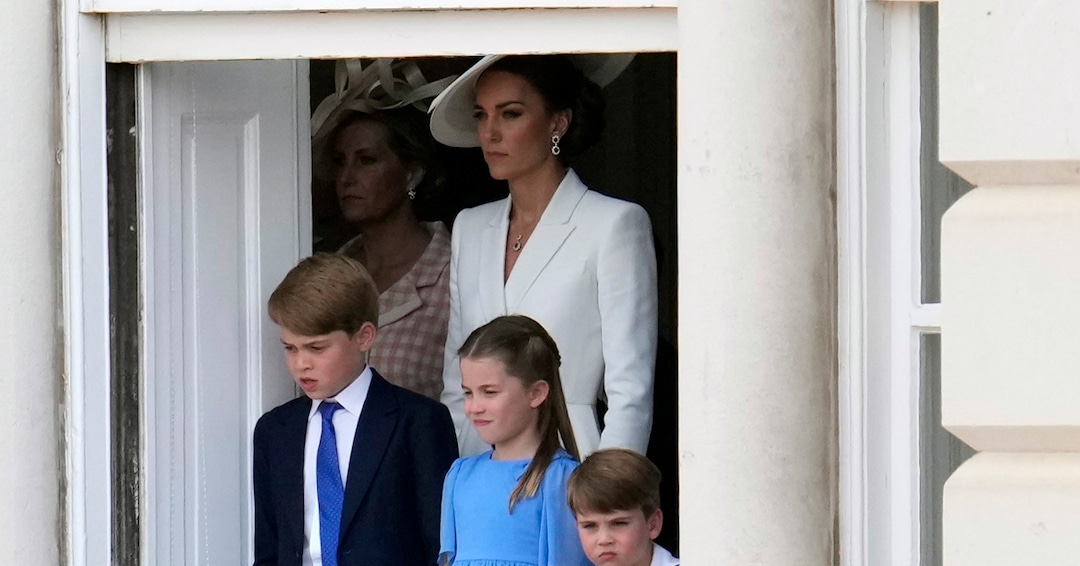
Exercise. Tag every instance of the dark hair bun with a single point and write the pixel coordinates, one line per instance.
(564, 87)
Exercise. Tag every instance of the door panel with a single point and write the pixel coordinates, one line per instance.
(226, 211)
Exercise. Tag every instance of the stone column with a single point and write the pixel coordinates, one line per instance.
(30, 439)
(1010, 124)
(757, 282)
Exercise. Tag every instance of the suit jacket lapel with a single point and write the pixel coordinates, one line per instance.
(492, 264)
(377, 421)
(293, 435)
(548, 236)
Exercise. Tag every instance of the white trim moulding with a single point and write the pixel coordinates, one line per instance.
(142, 38)
(851, 315)
(84, 215)
(203, 6)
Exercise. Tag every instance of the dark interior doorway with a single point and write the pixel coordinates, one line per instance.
(635, 160)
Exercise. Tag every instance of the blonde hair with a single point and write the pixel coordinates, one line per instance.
(325, 293)
(529, 353)
(614, 479)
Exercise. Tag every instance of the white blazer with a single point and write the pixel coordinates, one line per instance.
(588, 275)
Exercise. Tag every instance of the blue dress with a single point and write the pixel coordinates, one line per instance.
(479, 530)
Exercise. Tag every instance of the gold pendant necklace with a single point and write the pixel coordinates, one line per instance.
(517, 243)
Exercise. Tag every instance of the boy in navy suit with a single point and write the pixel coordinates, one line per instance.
(352, 472)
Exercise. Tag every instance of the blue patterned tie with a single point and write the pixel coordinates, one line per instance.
(328, 484)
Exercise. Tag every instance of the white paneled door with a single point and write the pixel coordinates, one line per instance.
(226, 213)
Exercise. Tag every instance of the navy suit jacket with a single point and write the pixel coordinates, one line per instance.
(403, 447)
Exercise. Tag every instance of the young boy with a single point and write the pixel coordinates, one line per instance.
(352, 472)
(615, 496)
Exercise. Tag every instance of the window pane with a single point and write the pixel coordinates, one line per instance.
(940, 186)
(940, 453)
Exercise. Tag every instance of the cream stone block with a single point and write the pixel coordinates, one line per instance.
(1010, 509)
(1008, 83)
(1010, 278)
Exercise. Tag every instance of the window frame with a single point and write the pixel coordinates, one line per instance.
(880, 315)
(877, 94)
(203, 6)
(137, 38)
(87, 42)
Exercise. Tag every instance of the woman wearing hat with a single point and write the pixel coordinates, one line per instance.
(380, 156)
(579, 262)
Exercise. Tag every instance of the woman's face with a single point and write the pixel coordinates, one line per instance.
(372, 183)
(514, 126)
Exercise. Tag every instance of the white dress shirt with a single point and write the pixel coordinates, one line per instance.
(661, 557)
(345, 419)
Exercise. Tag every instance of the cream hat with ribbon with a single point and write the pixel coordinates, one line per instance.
(383, 84)
(452, 120)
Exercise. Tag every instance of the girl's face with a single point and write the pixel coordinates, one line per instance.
(502, 408)
(514, 126)
(372, 183)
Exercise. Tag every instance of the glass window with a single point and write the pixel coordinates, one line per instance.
(940, 186)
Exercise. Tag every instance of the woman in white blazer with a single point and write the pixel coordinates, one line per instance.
(580, 263)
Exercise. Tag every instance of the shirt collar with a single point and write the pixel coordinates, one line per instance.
(351, 398)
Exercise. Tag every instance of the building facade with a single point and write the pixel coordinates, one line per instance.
(811, 317)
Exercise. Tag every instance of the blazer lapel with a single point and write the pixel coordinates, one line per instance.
(401, 310)
(425, 273)
(548, 236)
(377, 421)
(293, 435)
(492, 264)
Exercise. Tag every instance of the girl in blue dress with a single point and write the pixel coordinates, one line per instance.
(507, 506)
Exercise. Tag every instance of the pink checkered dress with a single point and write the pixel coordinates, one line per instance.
(413, 314)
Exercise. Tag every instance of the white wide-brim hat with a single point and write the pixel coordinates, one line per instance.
(452, 121)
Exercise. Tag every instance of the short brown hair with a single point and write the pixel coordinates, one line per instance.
(325, 293)
(612, 480)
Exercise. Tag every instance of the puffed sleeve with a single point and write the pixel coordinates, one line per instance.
(626, 280)
(448, 526)
(559, 542)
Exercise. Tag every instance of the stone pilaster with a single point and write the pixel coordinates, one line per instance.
(757, 282)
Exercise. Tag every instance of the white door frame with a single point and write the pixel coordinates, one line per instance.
(85, 279)
(880, 315)
(84, 38)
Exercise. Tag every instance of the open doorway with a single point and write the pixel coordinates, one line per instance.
(227, 205)
(635, 160)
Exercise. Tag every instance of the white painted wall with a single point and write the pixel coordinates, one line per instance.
(30, 450)
(757, 278)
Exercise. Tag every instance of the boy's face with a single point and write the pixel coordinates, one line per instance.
(324, 365)
(619, 538)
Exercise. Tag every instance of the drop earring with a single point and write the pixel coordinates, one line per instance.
(415, 177)
(555, 144)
